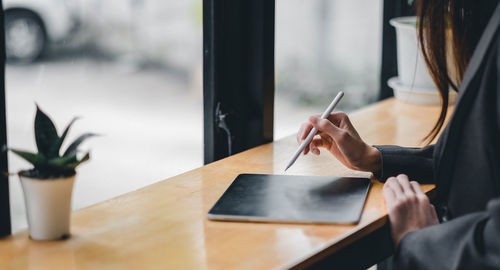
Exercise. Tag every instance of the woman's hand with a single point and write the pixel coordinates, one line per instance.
(337, 135)
(409, 208)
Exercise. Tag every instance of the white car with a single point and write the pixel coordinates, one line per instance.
(31, 24)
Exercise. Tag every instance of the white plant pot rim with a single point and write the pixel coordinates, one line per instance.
(420, 96)
(404, 22)
(394, 82)
(20, 174)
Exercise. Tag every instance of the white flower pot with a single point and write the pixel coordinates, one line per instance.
(418, 96)
(48, 206)
(412, 70)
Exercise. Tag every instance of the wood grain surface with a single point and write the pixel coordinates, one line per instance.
(163, 226)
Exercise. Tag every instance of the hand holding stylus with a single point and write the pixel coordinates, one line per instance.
(312, 131)
(338, 135)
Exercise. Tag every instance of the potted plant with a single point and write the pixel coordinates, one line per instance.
(48, 186)
(413, 83)
(412, 69)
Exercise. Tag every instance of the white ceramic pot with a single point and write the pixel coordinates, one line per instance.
(412, 70)
(416, 95)
(48, 206)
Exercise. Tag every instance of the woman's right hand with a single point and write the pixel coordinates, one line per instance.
(337, 135)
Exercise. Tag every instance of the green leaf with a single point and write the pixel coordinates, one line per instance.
(73, 146)
(35, 159)
(54, 149)
(61, 162)
(75, 164)
(45, 133)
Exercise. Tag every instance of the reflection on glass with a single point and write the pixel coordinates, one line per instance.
(131, 70)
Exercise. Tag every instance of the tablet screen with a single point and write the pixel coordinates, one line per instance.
(294, 199)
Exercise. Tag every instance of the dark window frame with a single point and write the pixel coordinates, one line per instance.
(5, 222)
(238, 75)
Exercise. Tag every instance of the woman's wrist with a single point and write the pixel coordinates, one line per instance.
(374, 160)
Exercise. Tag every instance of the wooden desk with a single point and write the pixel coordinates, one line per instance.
(163, 226)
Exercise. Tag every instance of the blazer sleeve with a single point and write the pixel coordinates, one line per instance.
(467, 242)
(417, 163)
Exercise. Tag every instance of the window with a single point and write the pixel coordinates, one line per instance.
(324, 46)
(131, 69)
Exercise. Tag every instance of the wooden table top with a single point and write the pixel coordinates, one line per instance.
(163, 226)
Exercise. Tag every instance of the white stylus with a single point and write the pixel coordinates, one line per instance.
(313, 131)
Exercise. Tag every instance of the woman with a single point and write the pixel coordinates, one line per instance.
(464, 163)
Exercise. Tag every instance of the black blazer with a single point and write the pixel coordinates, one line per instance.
(465, 166)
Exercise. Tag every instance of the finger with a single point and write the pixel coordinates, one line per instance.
(309, 148)
(313, 148)
(324, 125)
(404, 182)
(302, 134)
(389, 196)
(315, 151)
(299, 133)
(434, 214)
(319, 132)
(320, 143)
(305, 131)
(324, 136)
(329, 142)
(306, 149)
(315, 144)
(393, 183)
(416, 187)
(338, 117)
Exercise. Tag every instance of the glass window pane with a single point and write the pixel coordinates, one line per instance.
(132, 70)
(323, 46)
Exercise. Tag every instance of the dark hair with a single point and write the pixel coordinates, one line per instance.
(461, 22)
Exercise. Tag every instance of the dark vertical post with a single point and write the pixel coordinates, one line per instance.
(5, 228)
(391, 9)
(238, 75)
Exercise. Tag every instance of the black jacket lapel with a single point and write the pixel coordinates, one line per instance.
(445, 150)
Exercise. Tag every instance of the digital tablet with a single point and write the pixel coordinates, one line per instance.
(292, 199)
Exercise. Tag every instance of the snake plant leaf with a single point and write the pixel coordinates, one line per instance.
(45, 133)
(75, 164)
(74, 145)
(35, 159)
(61, 162)
(56, 147)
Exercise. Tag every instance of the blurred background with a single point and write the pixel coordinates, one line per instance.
(132, 69)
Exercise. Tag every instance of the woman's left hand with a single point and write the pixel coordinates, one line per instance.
(408, 206)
